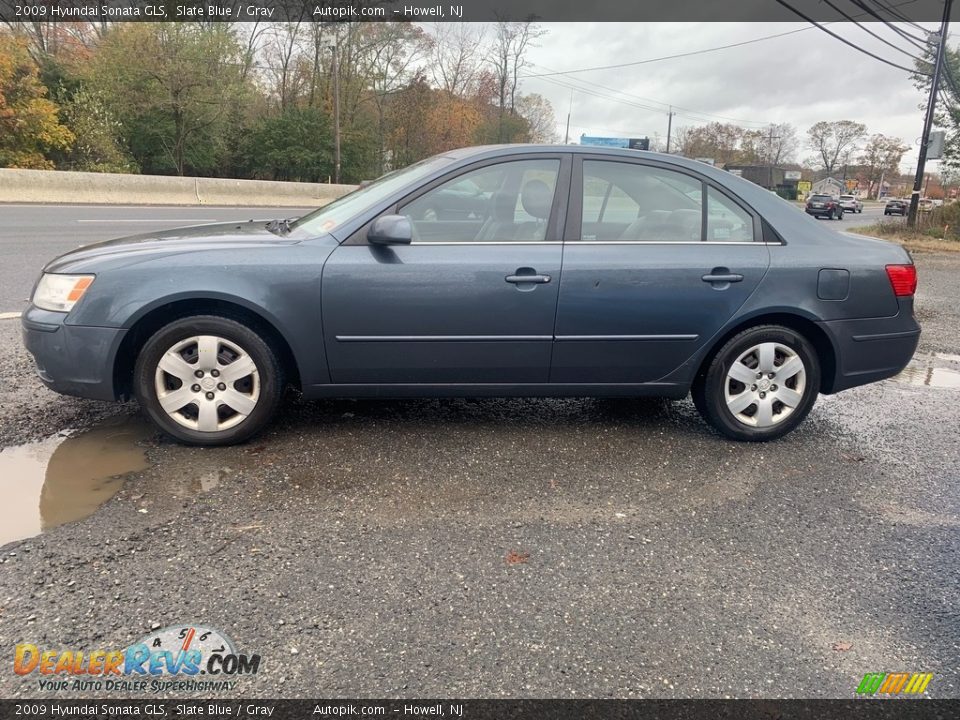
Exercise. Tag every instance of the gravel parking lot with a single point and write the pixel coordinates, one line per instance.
(508, 548)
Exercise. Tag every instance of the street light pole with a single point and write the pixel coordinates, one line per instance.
(928, 121)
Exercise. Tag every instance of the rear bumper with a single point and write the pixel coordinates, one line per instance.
(871, 349)
(71, 359)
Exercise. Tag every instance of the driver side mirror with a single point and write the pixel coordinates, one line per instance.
(391, 230)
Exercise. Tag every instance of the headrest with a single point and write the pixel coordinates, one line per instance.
(537, 199)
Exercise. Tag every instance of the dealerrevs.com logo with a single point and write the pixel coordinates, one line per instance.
(179, 658)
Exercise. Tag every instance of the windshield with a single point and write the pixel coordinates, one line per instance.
(325, 219)
(821, 197)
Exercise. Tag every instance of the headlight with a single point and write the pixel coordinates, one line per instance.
(60, 292)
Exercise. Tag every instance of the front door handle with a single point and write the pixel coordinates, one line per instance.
(527, 275)
(722, 277)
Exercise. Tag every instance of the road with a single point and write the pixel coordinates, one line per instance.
(31, 235)
(510, 548)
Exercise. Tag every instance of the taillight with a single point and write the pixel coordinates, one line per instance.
(903, 279)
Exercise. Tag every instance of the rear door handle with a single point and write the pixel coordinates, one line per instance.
(722, 278)
(540, 279)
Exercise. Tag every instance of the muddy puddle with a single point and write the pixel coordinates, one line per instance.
(930, 371)
(68, 476)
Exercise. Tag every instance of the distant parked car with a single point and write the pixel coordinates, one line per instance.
(895, 206)
(827, 206)
(850, 203)
(926, 205)
(597, 272)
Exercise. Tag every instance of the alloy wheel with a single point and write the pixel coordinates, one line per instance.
(765, 384)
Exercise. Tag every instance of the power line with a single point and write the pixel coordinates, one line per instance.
(909, 37)
(842, 39)
(892, 9)
(668, 57)
(870, 32)
(696, 52)
(664, 110)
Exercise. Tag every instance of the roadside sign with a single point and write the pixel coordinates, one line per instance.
(604, 141)
(792, 175)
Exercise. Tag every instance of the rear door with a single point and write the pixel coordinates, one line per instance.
(472, 299)
(656, 262)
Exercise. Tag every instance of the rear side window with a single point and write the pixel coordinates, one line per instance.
(629, 202)
(727, 221)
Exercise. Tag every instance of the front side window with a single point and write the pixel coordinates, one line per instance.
(630, 202)
(506, 202)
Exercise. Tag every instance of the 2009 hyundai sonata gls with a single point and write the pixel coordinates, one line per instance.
(508, 270)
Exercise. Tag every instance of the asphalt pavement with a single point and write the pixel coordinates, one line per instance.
(518, 548)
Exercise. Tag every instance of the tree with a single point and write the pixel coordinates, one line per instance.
(175, 87)
(98, 146)
(881, 157)
(719, 141)
(30, 126)
(834, 142)
(511, 42)
(541, 122)
(774, 146)
(947, 114)
(455, 63)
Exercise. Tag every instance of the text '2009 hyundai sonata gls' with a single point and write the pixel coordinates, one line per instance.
(524, 270)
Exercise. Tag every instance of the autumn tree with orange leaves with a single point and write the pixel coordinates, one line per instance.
(29, 122)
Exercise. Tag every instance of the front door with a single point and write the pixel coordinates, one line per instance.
(661, 263)
(471, 300)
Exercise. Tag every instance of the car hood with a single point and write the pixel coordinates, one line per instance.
(135, 248)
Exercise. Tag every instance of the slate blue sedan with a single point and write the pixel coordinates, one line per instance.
(565, 271)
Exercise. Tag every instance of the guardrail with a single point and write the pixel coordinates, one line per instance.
(59, 187)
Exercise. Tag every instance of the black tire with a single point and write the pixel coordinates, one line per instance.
(269, 378)
(708, 390)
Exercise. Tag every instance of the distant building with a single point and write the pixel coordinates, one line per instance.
(767, 176)
(829, 186)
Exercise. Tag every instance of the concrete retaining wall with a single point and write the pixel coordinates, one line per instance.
(57, 187)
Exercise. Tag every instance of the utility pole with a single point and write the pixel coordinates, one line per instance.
(880, 186)
(770, 138)
(566, 135)
(669, 127)
(928, 121)
(336, 114)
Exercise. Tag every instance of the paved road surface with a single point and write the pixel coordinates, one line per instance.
(30, 235)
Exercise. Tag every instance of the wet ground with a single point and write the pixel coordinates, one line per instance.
(505, 547)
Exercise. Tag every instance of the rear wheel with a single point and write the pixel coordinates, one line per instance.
(208, 380)
(760, 385)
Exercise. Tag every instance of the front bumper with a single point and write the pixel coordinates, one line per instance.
(871, 349)
(72, 359)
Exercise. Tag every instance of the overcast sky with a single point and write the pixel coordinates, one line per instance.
(800, 78)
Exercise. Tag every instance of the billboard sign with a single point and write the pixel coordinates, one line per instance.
(604, 141)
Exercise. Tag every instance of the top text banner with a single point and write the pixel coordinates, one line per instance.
(870, 11)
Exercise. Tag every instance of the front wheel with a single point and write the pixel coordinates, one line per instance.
(208, 380)
(760, 385)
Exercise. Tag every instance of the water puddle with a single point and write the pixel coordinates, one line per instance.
(923, 371)
(66, 477)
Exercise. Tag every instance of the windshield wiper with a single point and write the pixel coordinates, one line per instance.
(281, 226)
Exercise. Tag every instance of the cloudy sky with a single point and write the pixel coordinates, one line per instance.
(800, 78)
